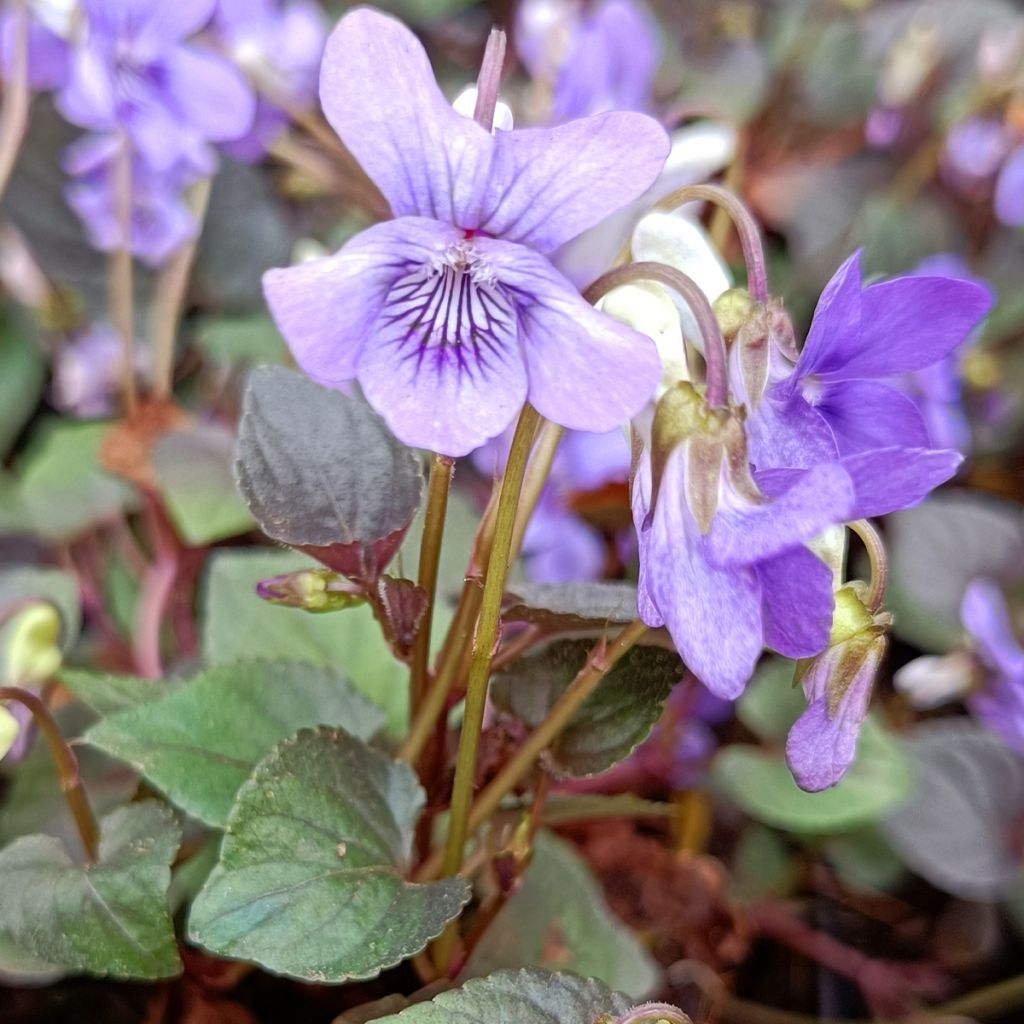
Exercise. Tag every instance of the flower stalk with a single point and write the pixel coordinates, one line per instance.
(875, 548)
(14, 115)
(67, 768)
(121, 299)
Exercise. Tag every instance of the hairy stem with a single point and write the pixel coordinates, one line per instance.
(438, 484)
(875, 548)
(483, 651)
(599, 663)
(14, 115)
(742, 218)
(170, 297)
(715, 354)
(67, 767)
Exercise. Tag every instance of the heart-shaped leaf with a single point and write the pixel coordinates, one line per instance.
(322, 473)
(559, 916)
(109, 919)
(519, 997)
(200, 742)
(571, 606)
(613, 720)
(311, 875)
(107, 694)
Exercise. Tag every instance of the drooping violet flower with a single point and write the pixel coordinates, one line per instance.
(132, 73)
(451, 315)
(160, 219)
(278, 47)
(49, 27)
(973, 152)
(1009, 194)
(86, 372)
(998, 699)
(835, 400)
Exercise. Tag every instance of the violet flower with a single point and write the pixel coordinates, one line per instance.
(998, 700)
(133, 73)
(451, 316)
(86, 372)
(835, 400)
(1009, 194)
(49, 26)
(973, 152)
(278, 47)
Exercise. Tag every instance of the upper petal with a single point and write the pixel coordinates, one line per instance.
(547, 185)
(796, 588)
(834, 335)
(864, 415)
(586, 370)
(379, 94)
(326, 307)
(209, 93)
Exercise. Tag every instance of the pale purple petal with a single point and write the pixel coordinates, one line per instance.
(49, 57)
(586, 461)
(174, 20)
(88, 98)
(547, 185)
(986, 618)
(742, 533)
(786, 430)
(1000, 708)
(325, 308)
(820, 749)
(560, 548)
(209, 93)
(798, 601)
(891, 479)
(1009, 197)
(586, 370)
(834, 335)
(864, 415)
(378, 92)
(640, 503)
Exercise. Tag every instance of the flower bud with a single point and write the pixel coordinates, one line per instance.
(312, 590)
(32, 645)
(733, 309)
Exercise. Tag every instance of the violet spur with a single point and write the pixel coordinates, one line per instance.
(451, 316)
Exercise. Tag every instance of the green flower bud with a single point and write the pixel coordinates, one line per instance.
(32, 645)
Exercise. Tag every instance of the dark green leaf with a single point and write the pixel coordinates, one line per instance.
(310, 880)
(519, 997)
(109, 919)
(616, 717)
(239, 625)
(199, 743)
(194, 470)
(571, 606)
(761, 785)
(22, 376)
(321, 472)
(558, 917)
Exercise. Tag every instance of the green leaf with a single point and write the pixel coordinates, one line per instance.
(614, 719)
(864, 860)
(34, 582)
(241, 339)
(109, 919)
(107, 694)
(22, 376)
(18, 967)
(771, 703)
(194, 469)
(236, 625)
(63, 491)
(762, 867)
(571, 606)
(519, 997)
(310, 881)
(558, 916)
(200, 742)
(761, 785)
(322, 473)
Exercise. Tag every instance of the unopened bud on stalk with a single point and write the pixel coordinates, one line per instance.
(312, 590)
(32, 645)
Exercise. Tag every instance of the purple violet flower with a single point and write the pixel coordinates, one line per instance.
(48, 51)
(974, 150)
(451, 316)
(1009, 196)
(278, 47)
(835, 400)
(133, 73)
(86, 372)
(998, 702)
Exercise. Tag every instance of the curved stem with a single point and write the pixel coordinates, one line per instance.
(600, 662)
(714, 344)
(67, 767)
(483, 651)
(875, 548)
(650, 1013)
(441, 470)
(170, 297)
(742, 218)
(14, 116)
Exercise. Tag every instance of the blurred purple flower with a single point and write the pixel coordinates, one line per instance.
(835, 401)
(278, 47)
(1009, 197)
(160, 219)
(883, 126)
(973, 152)
(133, 73)
(451, 315)
(998, 701)
(86, 373)
(48, 52)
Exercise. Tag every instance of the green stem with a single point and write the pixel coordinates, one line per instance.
(536, 477)
(441, 469)
(67, 767)
(599, 663)
(14, 115)
(483, 651)
(121, 287)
